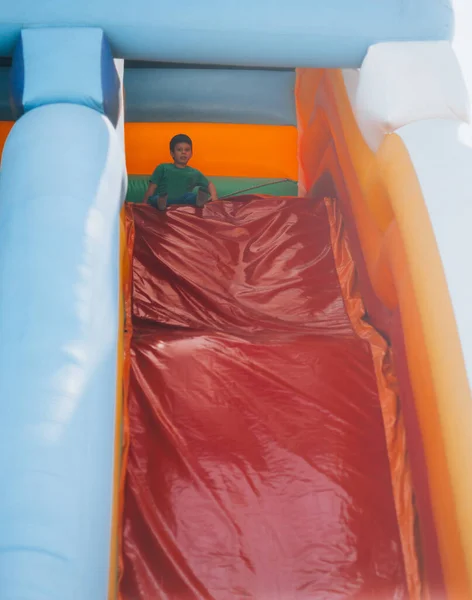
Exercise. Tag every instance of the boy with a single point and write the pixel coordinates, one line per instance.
(177, 183)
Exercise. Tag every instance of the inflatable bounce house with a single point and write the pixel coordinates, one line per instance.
(266, 397)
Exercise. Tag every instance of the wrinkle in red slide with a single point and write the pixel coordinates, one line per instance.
(257, 465)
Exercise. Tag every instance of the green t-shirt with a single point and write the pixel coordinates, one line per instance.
(176, 182)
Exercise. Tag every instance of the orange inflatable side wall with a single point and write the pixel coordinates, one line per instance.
(5, 128)
(389, 402)
(332, 153)
(121, 434)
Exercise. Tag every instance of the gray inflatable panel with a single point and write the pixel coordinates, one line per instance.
(214, 95)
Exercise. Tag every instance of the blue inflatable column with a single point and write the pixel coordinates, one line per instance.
(62, 185)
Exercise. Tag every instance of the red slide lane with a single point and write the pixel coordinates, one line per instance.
(257, 465)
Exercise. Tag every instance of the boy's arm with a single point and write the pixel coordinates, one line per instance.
(204, 182)
(151, 190)
(153, 183)
(212, 190)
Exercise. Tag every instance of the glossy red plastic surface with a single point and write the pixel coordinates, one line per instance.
(257, 464)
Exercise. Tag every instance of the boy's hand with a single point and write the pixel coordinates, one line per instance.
(212, 190)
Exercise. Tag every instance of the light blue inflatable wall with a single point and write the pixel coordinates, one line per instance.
(62, 185)
(319, 33)
(60, 195)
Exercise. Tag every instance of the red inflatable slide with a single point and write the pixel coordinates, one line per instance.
(257, 464)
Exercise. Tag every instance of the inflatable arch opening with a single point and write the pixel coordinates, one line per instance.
(269, 396)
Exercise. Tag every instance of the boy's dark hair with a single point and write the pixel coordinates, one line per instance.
(180, 138)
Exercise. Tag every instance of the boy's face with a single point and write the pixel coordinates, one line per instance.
(182, 154)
